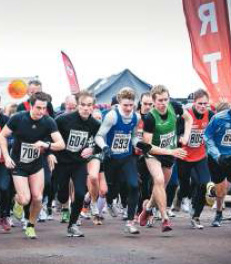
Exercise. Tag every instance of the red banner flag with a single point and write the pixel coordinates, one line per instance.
(71, 75)
(209, 32)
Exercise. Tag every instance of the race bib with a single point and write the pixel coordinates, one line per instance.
(120, 143)
(167, 140)
(196, 138)
(226, 139)
(29, 153)
(77, 140)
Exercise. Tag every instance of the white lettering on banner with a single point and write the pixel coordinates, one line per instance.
(212, 58)
(77, 140)
(166, 140)
(120, 143)
(196, 138)
(226, 139)
(29, 153)
(207, 15)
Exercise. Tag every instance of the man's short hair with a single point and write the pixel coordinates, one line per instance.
(158, 89)
(83, 94)
(126, 93)
(41, 96)
(199, 93)
(35, 82)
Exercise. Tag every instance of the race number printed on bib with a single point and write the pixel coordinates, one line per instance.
(166, 140)
(77, 140)
(226, 140)
(196, 138)
(120, 143)
(29, 153)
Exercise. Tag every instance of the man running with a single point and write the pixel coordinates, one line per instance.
(116, 138)
(30, 130)
(160, 131)
(196, 159)
(76, 128)
(218, 142)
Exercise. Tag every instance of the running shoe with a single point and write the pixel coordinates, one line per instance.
(170, 213)
(65, 216)
(131, 228)
(96, 220)
(125, 214)
(74, 231)
(30, 232)
(217, 220)
(12, 224)
(156, 213)
(49, 214)
(5, 223)
(151, 221)
(24, 223)
(42, 215)
(112, 210)
(94, 209)
(18, 211)
(166, 225)
(145, 214)
(185, 205)
(79, 222)
(195, 223)
(85, 213)
(211, 189)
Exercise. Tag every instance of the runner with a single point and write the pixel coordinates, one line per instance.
(218, 142)
(30, 129)
(115, 138)
(194, 167)
(76, 128)
(160, 131)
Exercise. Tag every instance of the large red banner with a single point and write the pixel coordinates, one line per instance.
(209, 32)
(71, 75)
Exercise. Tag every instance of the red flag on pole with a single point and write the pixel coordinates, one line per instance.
(209, 32)
(71, 75)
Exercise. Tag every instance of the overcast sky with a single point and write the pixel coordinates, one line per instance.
(101, 37)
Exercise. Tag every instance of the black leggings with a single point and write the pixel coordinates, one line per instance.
(199, 175)
(78, 174)
(122, 170)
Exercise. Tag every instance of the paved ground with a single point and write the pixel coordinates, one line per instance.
(107, 244)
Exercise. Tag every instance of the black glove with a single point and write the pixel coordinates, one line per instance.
(224, 160)
(106, 152)
(145, 147)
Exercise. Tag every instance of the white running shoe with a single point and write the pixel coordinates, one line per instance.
(131, 228)
(74, 231)
(112, 210)
(195, 222)
(186, 205)
(42, 215)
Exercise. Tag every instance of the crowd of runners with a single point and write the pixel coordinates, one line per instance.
(147, 160)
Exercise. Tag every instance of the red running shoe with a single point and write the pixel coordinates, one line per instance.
(5, 223)
(166, 225)
(144, 215)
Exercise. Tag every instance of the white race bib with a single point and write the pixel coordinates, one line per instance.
(120, 143)
(196, 138)
(166, 140)
(226, 139)
(77, 140)
(29, 153)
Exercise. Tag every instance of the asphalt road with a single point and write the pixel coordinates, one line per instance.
(107, 244)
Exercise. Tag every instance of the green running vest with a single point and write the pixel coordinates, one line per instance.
(164, 135)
